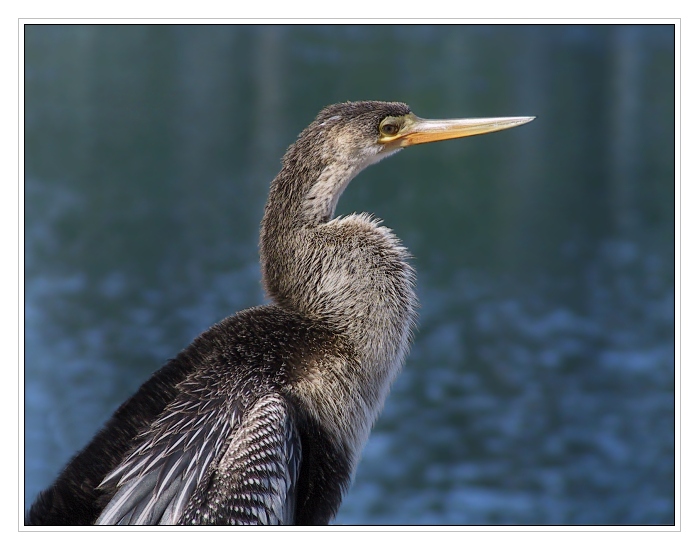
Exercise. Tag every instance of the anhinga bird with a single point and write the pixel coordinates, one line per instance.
(261, 420)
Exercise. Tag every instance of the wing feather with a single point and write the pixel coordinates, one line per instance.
(198, 468)
(154, 483)
(255, 480)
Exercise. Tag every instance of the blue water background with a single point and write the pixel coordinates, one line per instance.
(540, 387)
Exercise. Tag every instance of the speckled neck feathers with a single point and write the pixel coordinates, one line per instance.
(349, 273)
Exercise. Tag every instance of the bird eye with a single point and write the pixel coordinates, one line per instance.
(389, 128)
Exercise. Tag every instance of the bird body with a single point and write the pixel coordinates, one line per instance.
(262, 419)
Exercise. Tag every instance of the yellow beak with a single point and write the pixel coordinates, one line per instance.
(418, 130)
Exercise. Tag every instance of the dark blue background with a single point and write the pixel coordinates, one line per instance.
(540, 388)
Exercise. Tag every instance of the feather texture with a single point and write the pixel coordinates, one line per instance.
(182, 473)
(262, 419)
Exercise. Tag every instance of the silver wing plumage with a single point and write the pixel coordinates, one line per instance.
(206, 462)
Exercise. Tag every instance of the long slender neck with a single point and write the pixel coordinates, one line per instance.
(302, 197)
(315, 171)
(348, 273)
(292, 210)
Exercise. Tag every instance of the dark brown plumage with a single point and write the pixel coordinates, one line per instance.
(261, 420)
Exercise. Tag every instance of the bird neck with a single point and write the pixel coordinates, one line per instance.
(350, 274)
(302, 198)
(317, 265)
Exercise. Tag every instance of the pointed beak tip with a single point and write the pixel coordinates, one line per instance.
(526, 119)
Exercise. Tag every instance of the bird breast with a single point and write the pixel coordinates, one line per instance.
(354, 274)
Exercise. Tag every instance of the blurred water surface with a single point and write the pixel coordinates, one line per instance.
(540, 388)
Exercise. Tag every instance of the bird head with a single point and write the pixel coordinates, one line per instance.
(363, 132)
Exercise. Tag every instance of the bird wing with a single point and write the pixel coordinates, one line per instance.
(154, 482)
(192, 465)
(255, 481)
